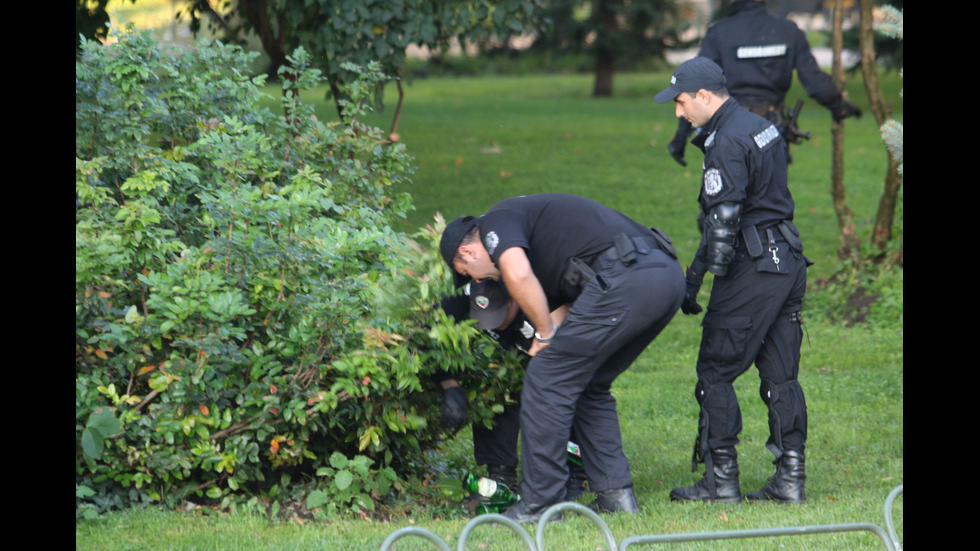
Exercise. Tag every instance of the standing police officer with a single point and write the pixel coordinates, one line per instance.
(620, 284)
(758, 52)
(752, 247)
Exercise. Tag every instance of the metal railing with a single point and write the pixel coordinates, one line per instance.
(889, 539)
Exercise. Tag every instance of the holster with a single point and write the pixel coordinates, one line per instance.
(753, 244)
(579, 273)
(791, 235)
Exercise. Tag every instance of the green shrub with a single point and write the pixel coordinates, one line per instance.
(247, 322)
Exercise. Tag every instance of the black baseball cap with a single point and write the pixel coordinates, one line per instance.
(691, 76)
(488, 303)
(452, 236)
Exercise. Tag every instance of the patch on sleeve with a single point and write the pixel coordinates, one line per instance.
(766, 137)
(490, 241)
(754, 52)
(712, 182)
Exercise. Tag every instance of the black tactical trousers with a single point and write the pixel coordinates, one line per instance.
(568, 384)
(753, 316)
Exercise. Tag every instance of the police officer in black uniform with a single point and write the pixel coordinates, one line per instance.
(499, 317)
(620, 285)
(755, 253)
(758, 52)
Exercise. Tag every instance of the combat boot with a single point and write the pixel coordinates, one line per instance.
(530, 513)
(577, 483)
(786, 486)
(612, 501)
(724, 471)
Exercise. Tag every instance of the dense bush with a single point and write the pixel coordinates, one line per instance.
(247, 323)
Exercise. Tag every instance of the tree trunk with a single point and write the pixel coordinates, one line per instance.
(850, 244)
(605, 60)
(885, 217)
(257, 13)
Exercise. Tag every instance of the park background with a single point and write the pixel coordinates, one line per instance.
(527, 131)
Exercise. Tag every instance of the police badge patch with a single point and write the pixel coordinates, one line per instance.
(712, 182)
(490, 241)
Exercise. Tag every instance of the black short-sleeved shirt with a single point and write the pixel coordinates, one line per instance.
(745, 163)
(552, 228)
(758, 52)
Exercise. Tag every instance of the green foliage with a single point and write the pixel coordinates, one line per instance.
(629, 31)
(338, 32)
(861, 292)
(226, 267)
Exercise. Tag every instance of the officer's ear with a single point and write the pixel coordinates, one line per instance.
(466, 252)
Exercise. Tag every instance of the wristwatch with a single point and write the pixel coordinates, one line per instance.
(543, 340)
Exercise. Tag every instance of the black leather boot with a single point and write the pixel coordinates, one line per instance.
(613, 501)
(577, 483)
(786, 486)
(526, 513)
(723, 476)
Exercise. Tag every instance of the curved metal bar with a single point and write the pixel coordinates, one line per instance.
(889, 539)
(495, 519)
(761, 533)
(578, 508)
(414, 531)
(889, 522)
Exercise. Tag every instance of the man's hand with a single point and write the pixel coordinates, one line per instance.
(844, 110)
(453, 408)
(690, 305)
(692, 284)
(676, 149)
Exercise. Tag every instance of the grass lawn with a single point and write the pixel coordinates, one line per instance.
(479, 140)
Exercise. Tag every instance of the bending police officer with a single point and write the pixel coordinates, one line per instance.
(752, 247)
(621, 284)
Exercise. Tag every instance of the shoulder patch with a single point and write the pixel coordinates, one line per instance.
(490, 241)
(766, 137)
(712, 182)
(767, 50)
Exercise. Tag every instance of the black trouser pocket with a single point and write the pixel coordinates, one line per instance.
(723, 340)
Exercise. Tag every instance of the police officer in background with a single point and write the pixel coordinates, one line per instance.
(499, 317)
(758, 52)
(754, 251)
(620, 284)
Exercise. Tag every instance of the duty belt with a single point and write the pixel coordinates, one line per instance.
(580, 273)
(625, 249)
(753, 237)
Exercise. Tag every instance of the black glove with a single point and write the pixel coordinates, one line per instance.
(453, 408)
(845, 109)
(676, 149)
(692, 284)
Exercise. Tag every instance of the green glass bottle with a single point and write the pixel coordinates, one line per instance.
(491, 508)
(574, 454)
(495, 492)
